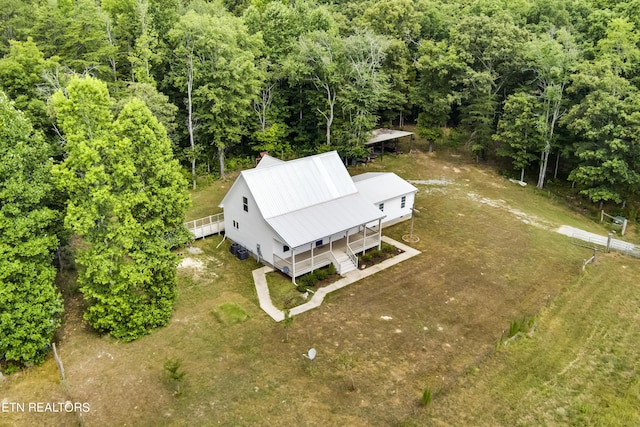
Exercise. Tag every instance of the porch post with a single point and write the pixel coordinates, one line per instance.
(380, 234)
(364, 238)
(293, 265)
(312, 245)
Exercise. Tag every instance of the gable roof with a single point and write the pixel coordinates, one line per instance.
(380, 186)
(289, 186)
(267, 160)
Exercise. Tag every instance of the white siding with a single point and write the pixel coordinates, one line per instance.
(252, 229)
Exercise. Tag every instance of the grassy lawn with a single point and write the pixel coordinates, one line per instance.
(489, 256)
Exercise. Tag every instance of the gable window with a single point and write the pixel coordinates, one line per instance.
(245, 204)
(285, 248)
(381, 206)
(236, 225)
(403, 201)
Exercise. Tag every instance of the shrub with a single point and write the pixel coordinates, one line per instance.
(375, 253)
(174, 374)
(307, 280)
(331, 270)
(366, 258)
(321, 274)
(387, 248)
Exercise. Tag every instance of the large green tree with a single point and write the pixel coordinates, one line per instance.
(553, 57)
(493, 49)
(30, 305)
(21, 74)
(127, 201)
(605, 121)
(519, 132)
(215, 64)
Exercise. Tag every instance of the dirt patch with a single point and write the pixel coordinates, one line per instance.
(193, 263)
(501, 204)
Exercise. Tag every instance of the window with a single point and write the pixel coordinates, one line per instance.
(381, 206)
(285, 248)
(236, 225)
(403, 201)
(245, 204)
(318, 243)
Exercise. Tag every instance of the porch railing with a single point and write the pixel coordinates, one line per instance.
(369, 239)
(305, 265)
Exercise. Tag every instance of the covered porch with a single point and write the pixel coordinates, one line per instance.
(341, 252)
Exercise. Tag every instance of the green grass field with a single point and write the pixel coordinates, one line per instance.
(489, 256)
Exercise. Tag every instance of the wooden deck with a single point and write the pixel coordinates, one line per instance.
(207, 226)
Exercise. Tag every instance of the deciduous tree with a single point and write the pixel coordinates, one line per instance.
(30, 305)
(127, 201)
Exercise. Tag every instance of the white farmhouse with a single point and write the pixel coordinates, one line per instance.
(306, 213)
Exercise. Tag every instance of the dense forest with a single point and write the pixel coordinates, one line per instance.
(109, 107)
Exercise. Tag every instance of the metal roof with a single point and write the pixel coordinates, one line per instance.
(286, 187)
(267, 160)
(315, 222)
(379, 135)
(380, 186)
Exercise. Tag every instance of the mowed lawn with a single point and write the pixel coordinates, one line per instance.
(489, 256)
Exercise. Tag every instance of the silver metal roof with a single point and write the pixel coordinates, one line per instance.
(286, 187)
(267, 160)
(380, 186)
(318, 221)
(379, 135)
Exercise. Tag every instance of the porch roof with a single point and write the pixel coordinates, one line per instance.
(324, 219)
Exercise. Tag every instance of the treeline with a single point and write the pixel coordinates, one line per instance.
(99, 96)
(548, 84)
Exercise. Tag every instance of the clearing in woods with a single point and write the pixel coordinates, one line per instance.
(431, 322)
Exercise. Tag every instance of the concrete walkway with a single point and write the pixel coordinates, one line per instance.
(262, 289)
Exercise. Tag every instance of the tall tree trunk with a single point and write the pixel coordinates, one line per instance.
(221, 159)
(555, 173)
(190, 119)
(522, 175)
(331, 100)
(544, 160)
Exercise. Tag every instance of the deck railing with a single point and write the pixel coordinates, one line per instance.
(206, 226)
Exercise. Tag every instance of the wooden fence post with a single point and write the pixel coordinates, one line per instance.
(58, 360)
